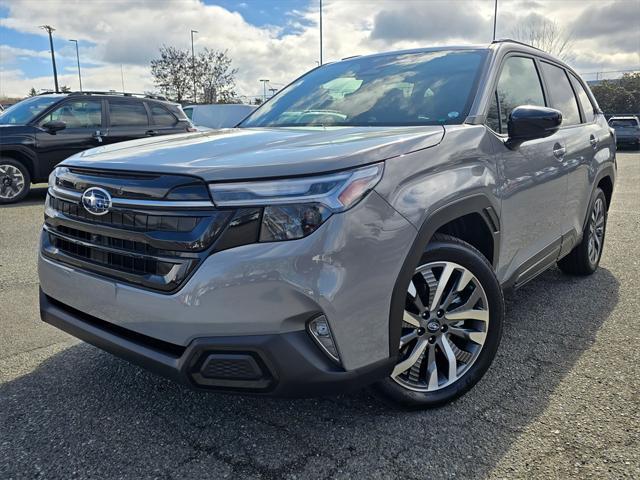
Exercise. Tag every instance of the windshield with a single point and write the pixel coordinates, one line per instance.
(23, 112)
(425, 88)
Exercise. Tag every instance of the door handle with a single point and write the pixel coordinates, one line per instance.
(593, 141)
(559, 151)
(151, 133)
(97, 135)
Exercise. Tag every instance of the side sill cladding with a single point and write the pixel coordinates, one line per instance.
(479, 204)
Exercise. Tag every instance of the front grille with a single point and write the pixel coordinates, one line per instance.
(154, 248)
(127, 219)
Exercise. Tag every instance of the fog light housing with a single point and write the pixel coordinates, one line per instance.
(321, 334)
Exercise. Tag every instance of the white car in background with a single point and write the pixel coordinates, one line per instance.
(218, 115)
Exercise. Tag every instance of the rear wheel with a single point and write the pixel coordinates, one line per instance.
(585, 257)
(451, 329)
(15, 181)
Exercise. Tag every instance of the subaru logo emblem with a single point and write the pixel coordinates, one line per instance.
(96, 201)
(433, 326)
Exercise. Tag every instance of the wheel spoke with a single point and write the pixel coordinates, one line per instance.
(407, 363)
(467, 311)
(432, 368)
(405, 339)
(468, 334)
(442, 283)
(411, 319)
(452, 361)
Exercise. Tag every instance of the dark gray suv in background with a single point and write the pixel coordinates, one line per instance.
(359, 228)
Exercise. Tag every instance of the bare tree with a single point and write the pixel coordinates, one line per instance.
(32, 92)
(215, 78)
(172, 72)
(546, 35)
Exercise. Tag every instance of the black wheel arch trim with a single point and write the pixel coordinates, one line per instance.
(477, 203)
(24, 155)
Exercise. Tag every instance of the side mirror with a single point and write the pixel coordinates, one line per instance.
(529, 122)
(54, 126)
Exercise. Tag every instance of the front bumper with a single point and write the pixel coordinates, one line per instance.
(346, 271)
(287, 364)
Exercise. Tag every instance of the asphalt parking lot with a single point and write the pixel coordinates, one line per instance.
(562, 399)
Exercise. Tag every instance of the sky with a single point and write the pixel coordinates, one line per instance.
(279, 39)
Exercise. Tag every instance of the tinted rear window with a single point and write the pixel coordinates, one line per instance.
(162, 116)
(127, 114)
(624, 122)
(562, 96)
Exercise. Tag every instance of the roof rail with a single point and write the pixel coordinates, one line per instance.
(122, 94)
(511, 40)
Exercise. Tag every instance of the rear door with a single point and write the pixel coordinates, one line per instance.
(84, 118)
(532, 188)
(581, 136)
(128, 120)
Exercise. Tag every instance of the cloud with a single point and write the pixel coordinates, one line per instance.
(130, 33)
(435, 21)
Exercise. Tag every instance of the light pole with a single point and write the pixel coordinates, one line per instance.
(264, 87)
(193, 63)
(495, 19)
(78, 59)
(273, 91)
(320, 32)
(49, 30)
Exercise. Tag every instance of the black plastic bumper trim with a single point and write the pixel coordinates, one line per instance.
(292, 364)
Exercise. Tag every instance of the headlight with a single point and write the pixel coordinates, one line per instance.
(296, 207)
(55, 174)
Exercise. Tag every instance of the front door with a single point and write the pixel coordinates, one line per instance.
(532, 184)
(84, 121)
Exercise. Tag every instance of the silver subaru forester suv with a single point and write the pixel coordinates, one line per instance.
(359, 228)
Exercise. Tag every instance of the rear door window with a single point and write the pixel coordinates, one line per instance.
(519, 84)
(127, 114)
(585, 102)
(561, 94)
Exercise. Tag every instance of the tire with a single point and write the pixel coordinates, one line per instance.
(582, 260)
(462, 329)
(15, 181)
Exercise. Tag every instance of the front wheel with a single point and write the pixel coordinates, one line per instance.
(451, 328)
(15, 181)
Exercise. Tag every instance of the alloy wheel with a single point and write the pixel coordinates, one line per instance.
(596, 231)
(12, 181)
(445, 325)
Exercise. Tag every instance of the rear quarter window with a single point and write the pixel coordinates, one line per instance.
(585, 101)
(162, 116)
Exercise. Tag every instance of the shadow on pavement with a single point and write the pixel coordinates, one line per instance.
(85, 413)
(34, 197)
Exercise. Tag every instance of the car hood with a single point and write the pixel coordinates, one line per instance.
(243, 153)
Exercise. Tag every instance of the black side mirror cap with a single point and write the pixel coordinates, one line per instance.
(529, 122)
(54, 126)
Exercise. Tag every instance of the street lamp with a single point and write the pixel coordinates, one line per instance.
(264, 87)
(78, 59)
(320, 32)
(49, 30)
(193, 62)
